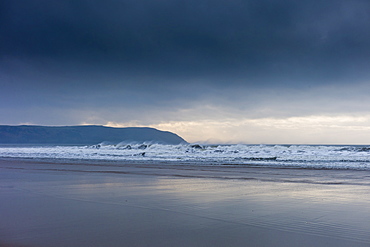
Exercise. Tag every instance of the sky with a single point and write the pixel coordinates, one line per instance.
(212, 71)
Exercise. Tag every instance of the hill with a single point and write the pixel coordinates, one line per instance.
(90, 134)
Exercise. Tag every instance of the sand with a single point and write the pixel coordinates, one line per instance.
(116, 204)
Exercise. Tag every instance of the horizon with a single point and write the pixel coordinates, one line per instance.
(211, 71)
(201, 142)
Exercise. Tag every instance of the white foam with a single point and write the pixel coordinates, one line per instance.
(343, 157)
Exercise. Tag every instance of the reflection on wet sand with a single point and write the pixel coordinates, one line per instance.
(48, 204)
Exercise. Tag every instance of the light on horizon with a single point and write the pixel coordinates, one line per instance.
(293, 130)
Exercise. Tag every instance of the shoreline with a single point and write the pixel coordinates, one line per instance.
(195, 170)
(46, 204)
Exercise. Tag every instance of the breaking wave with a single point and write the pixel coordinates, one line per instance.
(302, 156)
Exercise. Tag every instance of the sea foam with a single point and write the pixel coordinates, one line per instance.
(297, 156)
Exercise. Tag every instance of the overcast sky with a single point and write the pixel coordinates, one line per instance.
(225, 71)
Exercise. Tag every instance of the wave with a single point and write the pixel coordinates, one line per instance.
(320, 156)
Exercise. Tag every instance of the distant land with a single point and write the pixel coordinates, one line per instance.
(83, 134)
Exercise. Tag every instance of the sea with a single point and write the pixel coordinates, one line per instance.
(353, 157)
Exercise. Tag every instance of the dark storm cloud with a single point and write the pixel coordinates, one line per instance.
(126, 59)
(286, 39)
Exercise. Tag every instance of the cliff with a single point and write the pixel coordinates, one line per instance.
(91, 134)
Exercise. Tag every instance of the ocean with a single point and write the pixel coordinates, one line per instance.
(353, 157)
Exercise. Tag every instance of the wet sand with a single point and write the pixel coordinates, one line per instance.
(117, 204)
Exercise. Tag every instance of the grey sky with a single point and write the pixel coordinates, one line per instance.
(165, 63)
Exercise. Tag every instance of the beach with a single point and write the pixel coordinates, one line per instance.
(98, 203)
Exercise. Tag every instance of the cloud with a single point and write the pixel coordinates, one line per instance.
(157, 62)
(244, 39)
(316, 129)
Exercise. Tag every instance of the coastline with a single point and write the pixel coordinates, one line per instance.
(125, 204)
